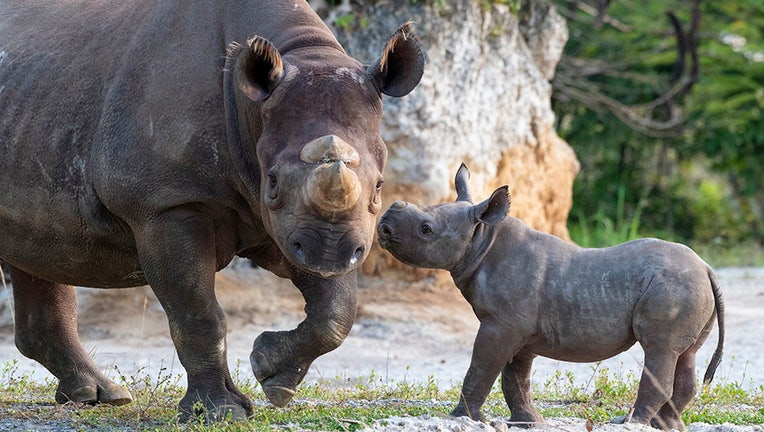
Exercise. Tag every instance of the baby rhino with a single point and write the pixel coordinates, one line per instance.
(535, 294)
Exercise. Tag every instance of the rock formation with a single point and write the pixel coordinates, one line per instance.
(484, 100)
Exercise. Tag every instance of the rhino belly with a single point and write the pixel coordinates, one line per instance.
(583, 340)
(54, 239)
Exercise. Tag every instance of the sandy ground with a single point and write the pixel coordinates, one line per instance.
(405, 331)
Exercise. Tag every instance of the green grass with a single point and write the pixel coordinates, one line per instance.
(348, 404)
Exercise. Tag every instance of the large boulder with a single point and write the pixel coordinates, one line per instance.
(484, 100)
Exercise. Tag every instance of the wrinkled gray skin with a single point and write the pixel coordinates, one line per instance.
(535, 294)
(140, 145)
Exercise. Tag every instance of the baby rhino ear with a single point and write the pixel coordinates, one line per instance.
(494, 209)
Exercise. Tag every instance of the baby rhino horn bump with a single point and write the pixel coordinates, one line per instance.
(330, 148)
(333, 187)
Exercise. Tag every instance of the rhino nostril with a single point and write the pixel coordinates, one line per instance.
(357, 256)
(384, 230)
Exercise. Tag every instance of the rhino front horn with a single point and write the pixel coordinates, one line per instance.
(333, 187)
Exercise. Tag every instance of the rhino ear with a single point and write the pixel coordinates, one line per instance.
(401, 65)
(462, 192)
(494, 209)
(258, 69)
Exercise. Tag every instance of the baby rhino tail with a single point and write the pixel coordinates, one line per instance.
(719, 304)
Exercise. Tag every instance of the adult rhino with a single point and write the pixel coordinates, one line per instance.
(141, 146)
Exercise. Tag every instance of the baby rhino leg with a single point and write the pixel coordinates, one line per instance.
(46, 331)
(516, 386)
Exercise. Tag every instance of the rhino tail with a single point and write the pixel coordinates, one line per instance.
(719, 305)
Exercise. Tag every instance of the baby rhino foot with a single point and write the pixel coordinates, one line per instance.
(525, 419)
(628, 418)
(92, 392)
(463, 411)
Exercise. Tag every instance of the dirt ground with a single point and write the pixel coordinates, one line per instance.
(405, 331)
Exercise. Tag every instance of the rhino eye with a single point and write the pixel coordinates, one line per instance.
(376, 199)
(272, 191)
(272, 183)
(425, 229)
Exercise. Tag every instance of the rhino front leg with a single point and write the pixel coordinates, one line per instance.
(179, 260)
(46, 331)
(280, 360)
(491, 352)
(516, 387)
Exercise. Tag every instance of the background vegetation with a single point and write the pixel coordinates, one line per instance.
(662, 102)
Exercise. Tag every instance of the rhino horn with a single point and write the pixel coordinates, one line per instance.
(333, 187)
(330, 148)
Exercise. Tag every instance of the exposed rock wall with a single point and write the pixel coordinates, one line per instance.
(484, 100)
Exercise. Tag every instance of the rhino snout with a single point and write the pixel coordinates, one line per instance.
(386, 234)
(327, 260)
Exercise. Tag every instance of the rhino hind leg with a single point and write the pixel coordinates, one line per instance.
(516, 387)
(656, 383)
(46, 331)
(669, 416)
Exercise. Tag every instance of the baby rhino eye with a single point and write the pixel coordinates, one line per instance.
(425, 229)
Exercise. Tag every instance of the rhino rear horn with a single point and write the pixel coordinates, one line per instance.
(259, 69)
(401, 65)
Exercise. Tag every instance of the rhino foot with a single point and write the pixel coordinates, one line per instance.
(278, 378)
(277, 395)
(526, 420)
(277, 386)
(628, 418)
(667, 424)
(462, 411)
(102, 391)
(231, 405)
(213, 413)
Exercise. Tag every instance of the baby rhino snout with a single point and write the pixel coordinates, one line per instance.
(384, 233)
(385, 229)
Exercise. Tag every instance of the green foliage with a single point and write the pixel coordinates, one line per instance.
(701, 182)
(600, 230)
